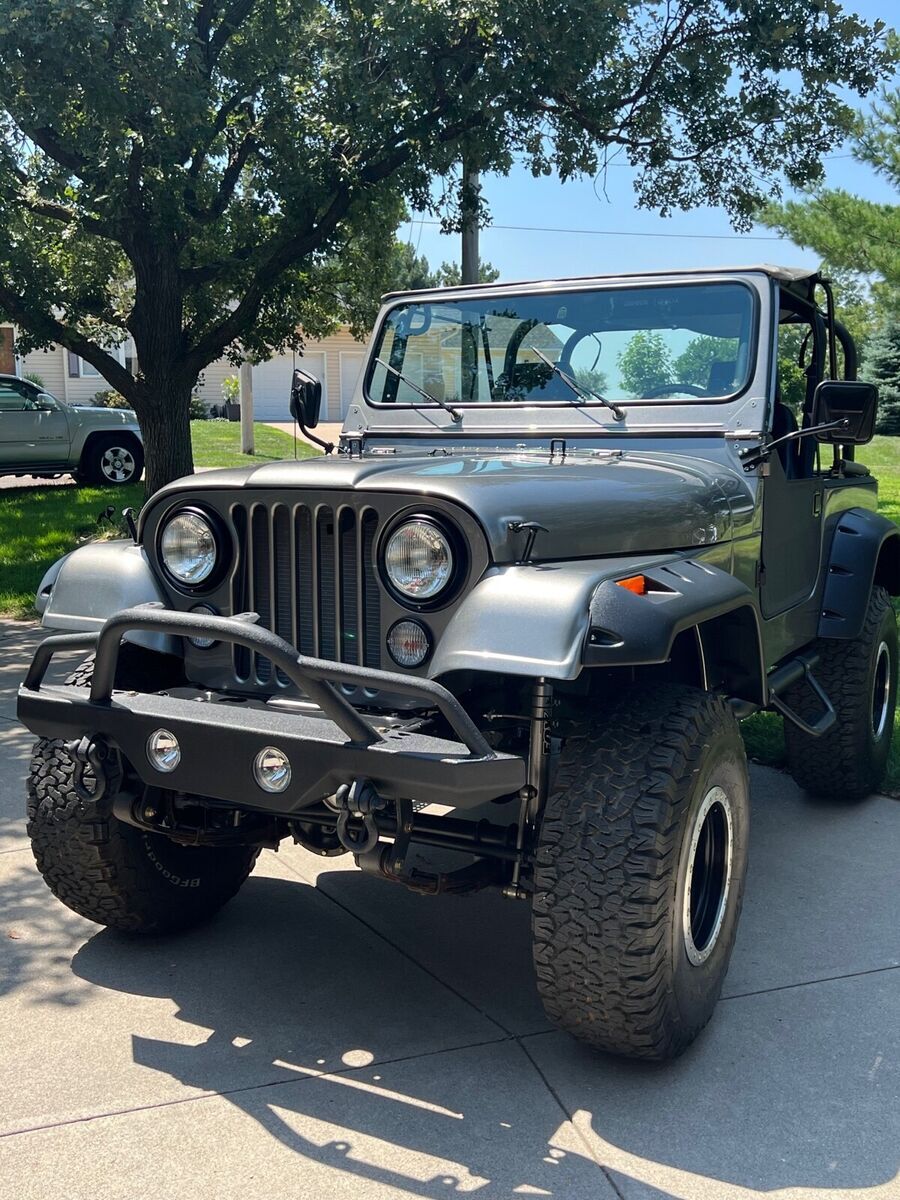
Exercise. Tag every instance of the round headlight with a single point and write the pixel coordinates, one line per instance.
(418, 560)
(188, 548)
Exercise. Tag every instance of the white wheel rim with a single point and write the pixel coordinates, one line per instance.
(708, 879)
(881, 691)
(117, 464)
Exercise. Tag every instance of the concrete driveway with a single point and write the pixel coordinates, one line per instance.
(331, 1036)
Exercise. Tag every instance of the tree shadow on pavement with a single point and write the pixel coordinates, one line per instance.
(404, 1083)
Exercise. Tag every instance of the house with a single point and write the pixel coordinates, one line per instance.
(335, 360)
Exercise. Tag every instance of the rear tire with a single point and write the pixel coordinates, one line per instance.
(114, 873)
(860, 678)
(112, 461)
(639, 872)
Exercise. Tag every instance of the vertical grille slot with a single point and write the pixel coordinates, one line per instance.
(260, 550)
(240, 591)
(284, 595)
(306, 627)
(325, 579)
(348, 569)
(370, 596)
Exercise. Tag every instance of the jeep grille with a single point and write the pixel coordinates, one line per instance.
(309, 571)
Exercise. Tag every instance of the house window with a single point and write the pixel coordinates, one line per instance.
(79, 369)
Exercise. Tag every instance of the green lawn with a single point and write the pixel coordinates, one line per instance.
(217, 444)
(38, 525)
(763, 733)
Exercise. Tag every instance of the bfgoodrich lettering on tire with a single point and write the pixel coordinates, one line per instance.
(640, 870)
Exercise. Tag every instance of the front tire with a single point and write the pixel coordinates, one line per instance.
(860, 678)
(114, 873)
(639, 872)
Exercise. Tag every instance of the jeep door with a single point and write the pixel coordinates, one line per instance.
(793, 489)
(34, 429)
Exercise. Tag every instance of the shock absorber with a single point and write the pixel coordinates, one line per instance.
(535, 788)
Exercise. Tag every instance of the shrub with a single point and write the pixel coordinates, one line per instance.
(33, 377)
(107, 398)
(198, 409)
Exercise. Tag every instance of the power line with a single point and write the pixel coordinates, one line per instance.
(712, 237)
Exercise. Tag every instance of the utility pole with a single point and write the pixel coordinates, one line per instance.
(470, 188)
(247, 443)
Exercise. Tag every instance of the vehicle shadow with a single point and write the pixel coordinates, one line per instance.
(778, 1093)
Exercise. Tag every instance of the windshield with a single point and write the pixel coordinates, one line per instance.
(643, 344)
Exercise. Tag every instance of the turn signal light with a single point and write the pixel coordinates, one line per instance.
(639, 584)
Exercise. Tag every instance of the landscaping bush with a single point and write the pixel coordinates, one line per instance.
(107, 398)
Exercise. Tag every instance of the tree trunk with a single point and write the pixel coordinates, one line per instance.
(166, 426)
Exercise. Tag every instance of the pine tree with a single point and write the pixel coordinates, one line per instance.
(882, 366)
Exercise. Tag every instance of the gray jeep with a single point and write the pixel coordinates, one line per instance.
(43, 436)
(405, 652)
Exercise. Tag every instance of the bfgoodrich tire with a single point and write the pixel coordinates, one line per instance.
(860, 679)
(639, 873)
(113, 873)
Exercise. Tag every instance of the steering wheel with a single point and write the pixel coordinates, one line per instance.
(667, 389)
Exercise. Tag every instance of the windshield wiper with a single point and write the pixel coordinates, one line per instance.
(581, 390)
(454, 413)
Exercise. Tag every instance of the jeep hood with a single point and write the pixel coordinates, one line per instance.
(591, 504)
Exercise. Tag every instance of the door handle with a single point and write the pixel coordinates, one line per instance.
(817, 504)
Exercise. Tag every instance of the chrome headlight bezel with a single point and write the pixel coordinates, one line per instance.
(456, 561)
(218, 565)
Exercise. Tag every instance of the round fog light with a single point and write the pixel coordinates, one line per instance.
(163, 750)
(203, 643)
(272, 770)
(408, 643)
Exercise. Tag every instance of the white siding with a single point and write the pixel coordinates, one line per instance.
(49, 365)
(210, 388)
(336, 358)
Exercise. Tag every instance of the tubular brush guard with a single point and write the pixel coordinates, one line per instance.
(219, 735)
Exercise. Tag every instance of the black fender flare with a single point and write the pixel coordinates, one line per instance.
(865, 551)
(627, 629)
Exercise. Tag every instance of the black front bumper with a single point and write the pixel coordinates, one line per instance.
(327, 741)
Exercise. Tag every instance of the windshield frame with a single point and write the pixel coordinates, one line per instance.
(516, 291)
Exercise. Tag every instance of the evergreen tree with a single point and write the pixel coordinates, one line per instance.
(883, 368)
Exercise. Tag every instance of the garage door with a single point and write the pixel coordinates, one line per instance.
(272, 385)
(351, 365)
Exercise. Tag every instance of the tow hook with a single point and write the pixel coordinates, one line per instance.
(93, 753)
(361, 801)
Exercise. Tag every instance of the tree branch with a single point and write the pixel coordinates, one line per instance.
(46, 325)
(232, 20)
(47, 141)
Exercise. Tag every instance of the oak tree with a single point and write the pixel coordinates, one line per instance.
(206, 175)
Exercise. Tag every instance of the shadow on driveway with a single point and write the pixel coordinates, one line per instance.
(793, 1089)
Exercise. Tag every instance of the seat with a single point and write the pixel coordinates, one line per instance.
(721, 377)
(783, 423)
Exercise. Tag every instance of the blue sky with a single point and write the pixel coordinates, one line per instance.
(633, 241)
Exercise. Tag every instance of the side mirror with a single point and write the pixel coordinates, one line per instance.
(852, 402)
(306, 399)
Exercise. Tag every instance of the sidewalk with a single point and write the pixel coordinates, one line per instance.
(329, 1035)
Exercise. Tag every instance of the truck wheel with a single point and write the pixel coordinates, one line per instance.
(113, 873)
(860, 679)
(639, 872)
(112, 461)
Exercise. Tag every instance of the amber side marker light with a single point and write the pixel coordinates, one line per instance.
(639, 584)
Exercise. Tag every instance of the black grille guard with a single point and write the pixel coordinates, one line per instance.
(220, 736)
